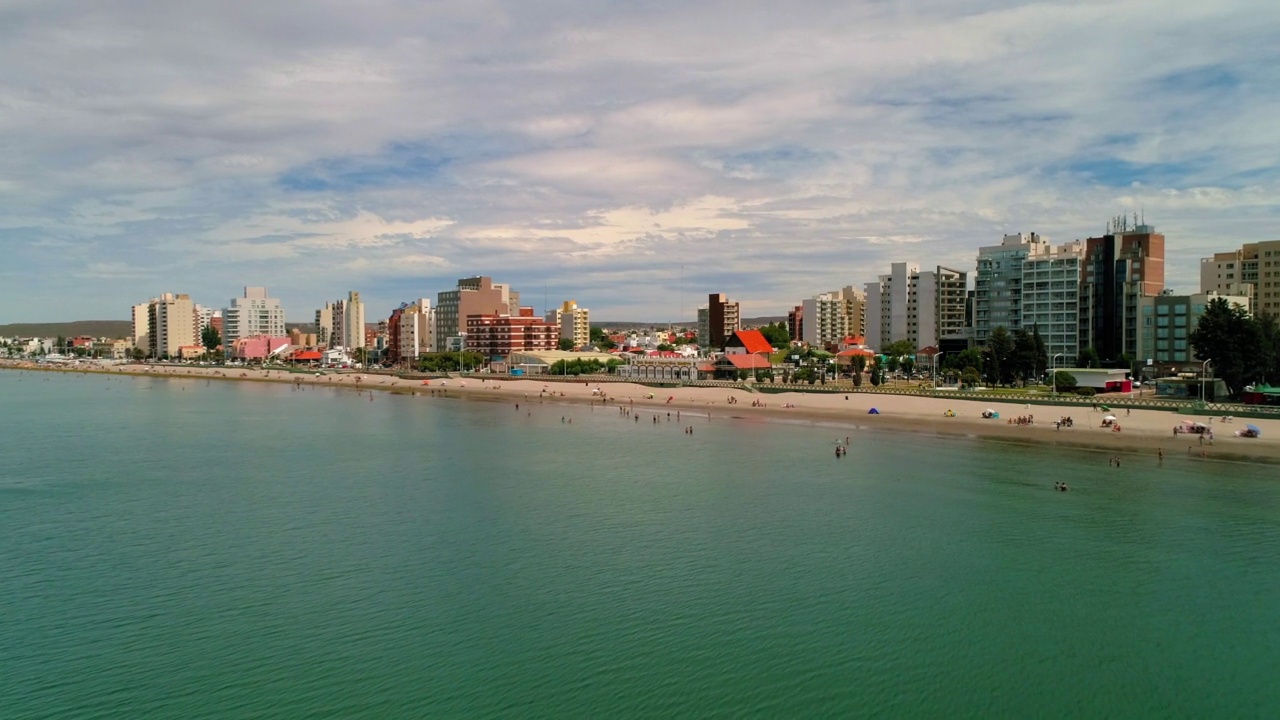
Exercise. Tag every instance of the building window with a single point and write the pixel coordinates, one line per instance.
(1162, 310)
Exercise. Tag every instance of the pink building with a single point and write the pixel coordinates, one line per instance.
(258, 347)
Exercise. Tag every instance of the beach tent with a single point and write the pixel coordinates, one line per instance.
(873, 411)
(1112, 418)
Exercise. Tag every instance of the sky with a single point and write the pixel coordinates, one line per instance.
(632, 155)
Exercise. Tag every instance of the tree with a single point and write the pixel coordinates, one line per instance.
(666, 347)
(210, 338)
(597, 334)
(970, 377)
(1042, 353)
(967, 358)
(776, 334)
(1063, 381)
(1088, 358)
(1233, 342)
(999, 362)
(1024, 356)
(139, 353)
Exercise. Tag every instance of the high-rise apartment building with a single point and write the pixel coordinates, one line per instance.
(795, 321)
(411, 330)
(252, 315)
(574, 322)
(829, 317)
(172, 324)
(324, 326)
(998, 284)
(718, 321)
(352, 330)
(920, 307)
(341, 323)
(1119, 268)
(478, 295)
(141, 326)
(1050, 302)
(1253, 271)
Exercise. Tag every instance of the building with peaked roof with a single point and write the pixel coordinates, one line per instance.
(731, 367)
(747, 342)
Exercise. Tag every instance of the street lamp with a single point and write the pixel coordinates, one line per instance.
(1054, 373)
(1204, 367)
(934, 368)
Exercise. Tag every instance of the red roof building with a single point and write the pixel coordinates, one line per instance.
(747, 342)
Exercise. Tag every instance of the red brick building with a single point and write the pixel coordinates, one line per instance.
(501, 335)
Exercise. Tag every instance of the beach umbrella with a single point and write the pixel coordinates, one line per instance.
(1254, 429)
(1109, 417)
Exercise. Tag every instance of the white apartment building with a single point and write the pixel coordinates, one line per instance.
(251, 315)
(921, 307)
(832, 316)
(417, 329)
(1050, 295)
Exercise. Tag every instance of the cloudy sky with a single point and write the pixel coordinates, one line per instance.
(603, 151)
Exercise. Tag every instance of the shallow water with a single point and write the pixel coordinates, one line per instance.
(179, 548)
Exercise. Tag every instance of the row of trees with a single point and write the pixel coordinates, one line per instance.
(1241, 349)
(579, 366)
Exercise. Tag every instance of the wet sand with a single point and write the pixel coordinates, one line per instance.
(1143, 432)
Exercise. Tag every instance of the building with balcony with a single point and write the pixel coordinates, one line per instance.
(411, 331)
(172, 324)
(998, 284)
(253, 315)
(1119, 268)
(830, 316)
(1050, 302)
(1167, 321)
(477, 295)
(718, 321)
(919, 307)
(1252, 271)
(574, 322)
(500, 335)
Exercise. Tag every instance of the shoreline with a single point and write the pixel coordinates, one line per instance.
(1144, 431)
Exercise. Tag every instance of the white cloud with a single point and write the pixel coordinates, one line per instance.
(772, 152)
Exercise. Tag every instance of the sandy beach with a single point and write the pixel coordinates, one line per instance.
(1143, 431)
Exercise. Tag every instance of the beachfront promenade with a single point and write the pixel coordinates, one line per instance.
(1146, 423)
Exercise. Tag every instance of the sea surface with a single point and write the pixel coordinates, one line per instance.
(194, 549)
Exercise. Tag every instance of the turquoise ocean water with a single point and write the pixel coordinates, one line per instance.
(183, 549)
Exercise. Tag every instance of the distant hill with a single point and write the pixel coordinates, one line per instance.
(92, 328)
